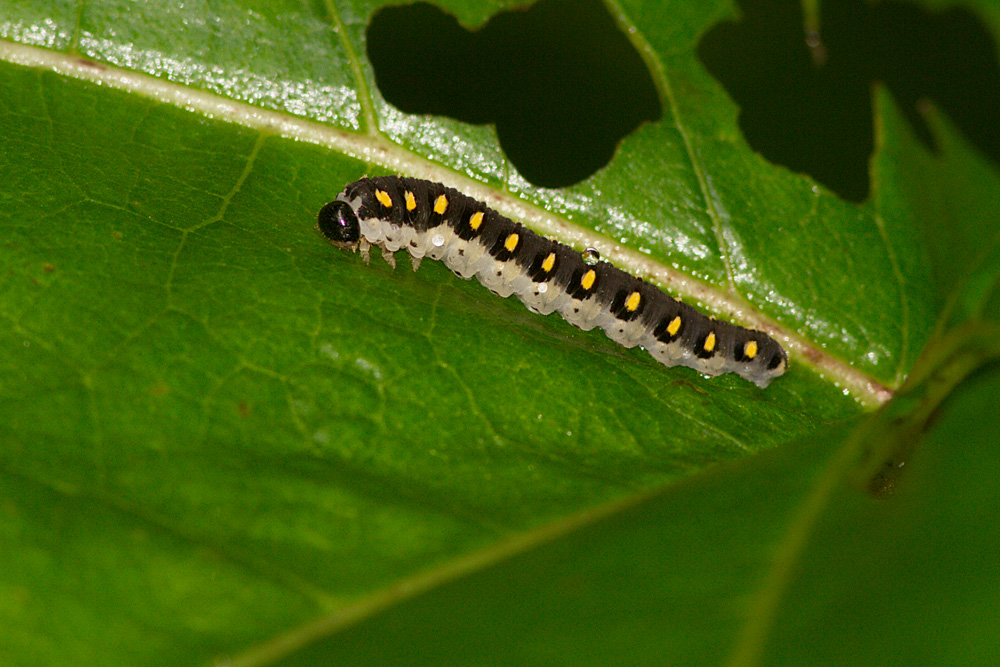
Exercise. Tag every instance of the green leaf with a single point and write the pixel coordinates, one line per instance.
(223, 437)
(780, 560)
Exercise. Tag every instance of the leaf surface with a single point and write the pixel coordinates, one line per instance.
(219, 431)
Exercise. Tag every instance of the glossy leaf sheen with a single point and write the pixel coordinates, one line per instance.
(217, 428)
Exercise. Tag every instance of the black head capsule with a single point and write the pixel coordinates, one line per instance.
(339, 224)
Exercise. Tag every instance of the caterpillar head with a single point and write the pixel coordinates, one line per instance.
(339, 224)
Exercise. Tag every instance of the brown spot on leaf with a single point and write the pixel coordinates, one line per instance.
(90, 64)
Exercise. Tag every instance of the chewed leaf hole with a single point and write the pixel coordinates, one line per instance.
(560, 80)
(805, 100)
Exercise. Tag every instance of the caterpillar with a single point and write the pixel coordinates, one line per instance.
(431, 220)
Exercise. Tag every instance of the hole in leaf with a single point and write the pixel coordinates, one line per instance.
(560, 81)
(810, 110)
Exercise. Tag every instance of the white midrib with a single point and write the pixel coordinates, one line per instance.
(375, 149)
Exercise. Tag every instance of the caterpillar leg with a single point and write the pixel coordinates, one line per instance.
(388, 256)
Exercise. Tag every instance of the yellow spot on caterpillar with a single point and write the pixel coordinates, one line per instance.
(549, 262)
(674, 326)
(440, 204)
(588, 279)
(632, 302)
(476, 220)
(411, 201)
(710, 341)
(750, 349)
(511, 242)
(383, 198)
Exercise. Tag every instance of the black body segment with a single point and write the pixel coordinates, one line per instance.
(431, 220)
